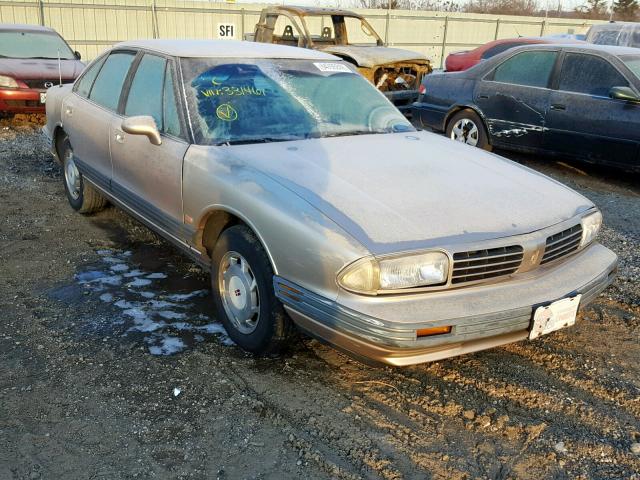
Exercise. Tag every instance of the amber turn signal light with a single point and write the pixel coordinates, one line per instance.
(427, 332)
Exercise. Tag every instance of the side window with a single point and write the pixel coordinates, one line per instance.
(83, 87)
(145, 94)
(503, 47)
(170, 107)
(606, 37)
(531, 69)
(108, 86)
(589, 74)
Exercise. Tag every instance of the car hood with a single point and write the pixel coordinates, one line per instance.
(371, 56)
(34, 69)
(406, 191)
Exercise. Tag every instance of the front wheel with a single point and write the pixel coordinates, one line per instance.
(467, 127)
(243, 295)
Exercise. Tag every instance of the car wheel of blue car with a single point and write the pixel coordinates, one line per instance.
(242, 285)
(466, 126)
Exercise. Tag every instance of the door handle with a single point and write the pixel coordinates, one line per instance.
(119, 137)
(68, 111)
(483, 97)
(558, 106)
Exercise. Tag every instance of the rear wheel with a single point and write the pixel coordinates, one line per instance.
(242, 286)
(82, 197)
(466, 126)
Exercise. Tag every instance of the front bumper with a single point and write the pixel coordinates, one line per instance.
(21, 100)
(383, 329)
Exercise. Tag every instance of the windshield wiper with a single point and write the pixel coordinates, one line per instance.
(355, 132)
(245, 141)
(43, 58)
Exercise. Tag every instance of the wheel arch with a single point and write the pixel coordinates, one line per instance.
(58, 134)
(458, 108)
(215, 220)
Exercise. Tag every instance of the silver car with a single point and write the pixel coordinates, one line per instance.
(315, 204)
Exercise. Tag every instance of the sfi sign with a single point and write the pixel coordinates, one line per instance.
(226, 30)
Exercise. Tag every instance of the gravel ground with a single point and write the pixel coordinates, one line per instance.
(93, 305)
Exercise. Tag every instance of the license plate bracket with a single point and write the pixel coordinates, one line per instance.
(552, 317)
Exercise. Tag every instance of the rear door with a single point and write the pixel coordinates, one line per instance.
(584, 121)
(147, 177)
(87, 114)
(514, 98)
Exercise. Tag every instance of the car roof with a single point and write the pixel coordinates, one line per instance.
(611, 25)
(587, 47)
(225, 49)
(21, 27)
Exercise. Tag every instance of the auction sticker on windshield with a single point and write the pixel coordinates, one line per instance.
(555, 316)
(332, 67)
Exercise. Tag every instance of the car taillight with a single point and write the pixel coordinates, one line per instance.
(422, 89)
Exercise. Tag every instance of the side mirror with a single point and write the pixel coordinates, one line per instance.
(77, 55)
(142, 125)
(624, 93)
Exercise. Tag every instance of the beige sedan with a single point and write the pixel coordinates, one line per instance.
(315, 204)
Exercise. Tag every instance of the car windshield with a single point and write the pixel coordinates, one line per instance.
(633, 63)
(263, 100)
(16, 44)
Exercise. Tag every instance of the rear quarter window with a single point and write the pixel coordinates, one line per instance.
(83, 86)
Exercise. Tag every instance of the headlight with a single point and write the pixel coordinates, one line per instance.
(590, 227)
(8, 82)
(369, 275)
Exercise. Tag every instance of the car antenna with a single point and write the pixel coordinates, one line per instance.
(59, 69)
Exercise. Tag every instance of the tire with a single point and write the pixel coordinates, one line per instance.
(253, 317)
(82, 197)
(466, 126)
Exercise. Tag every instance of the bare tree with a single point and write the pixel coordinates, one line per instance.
(593, 9)
(502, 7)
(626, 9)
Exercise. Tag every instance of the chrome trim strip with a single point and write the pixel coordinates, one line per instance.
(337, 317)
(342, 320)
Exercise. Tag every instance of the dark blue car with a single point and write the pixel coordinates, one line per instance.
(575, 100)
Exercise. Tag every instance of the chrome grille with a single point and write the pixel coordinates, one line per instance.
(561, 244)
(489, 263)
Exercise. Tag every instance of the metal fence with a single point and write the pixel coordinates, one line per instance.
(93, 25)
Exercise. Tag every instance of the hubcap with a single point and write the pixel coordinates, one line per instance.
(71, 175)
(239, 292)
(465, 131)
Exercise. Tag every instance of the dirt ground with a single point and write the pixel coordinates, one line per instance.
(112, 368)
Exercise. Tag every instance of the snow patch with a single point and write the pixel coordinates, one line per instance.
(139, 282)
(165, 345)
(156, 275)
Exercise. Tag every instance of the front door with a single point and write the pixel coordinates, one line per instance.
(147, 177)
(583, 121)
(514, 98)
